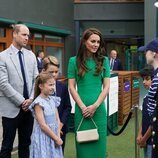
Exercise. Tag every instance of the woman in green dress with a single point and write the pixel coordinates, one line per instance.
(89, 71)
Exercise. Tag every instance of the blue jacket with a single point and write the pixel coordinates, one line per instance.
(64, 108)
(39, 65)
(117, 65)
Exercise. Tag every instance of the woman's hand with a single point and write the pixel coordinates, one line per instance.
(91, 109)
(85, 112)
(88, 111)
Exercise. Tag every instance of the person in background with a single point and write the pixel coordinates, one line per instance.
(151, 50)
(90, 72)
(51, 65)
(46, 141)
(40, 56)
(144, 134)
(115, 63)
(18, 70)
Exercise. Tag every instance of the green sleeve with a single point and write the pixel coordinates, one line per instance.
(106, 68)
(72, 68)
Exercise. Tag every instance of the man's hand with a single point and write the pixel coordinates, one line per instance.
(26, 104)
(139, 138)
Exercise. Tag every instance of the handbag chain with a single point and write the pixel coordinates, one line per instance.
(82, 121)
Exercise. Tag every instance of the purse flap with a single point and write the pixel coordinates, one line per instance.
(87, 135)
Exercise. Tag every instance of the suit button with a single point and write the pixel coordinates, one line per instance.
(153, 146)
(153, 133)
(154, 119)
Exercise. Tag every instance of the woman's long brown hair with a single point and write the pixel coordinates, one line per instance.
(82, 53)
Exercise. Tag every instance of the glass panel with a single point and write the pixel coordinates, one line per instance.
(57, 52)
(2, 32)
(38, 36)
(53, 38)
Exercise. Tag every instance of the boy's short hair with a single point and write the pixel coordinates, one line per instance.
(147, 72)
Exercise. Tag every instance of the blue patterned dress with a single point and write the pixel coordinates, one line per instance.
(42, 146)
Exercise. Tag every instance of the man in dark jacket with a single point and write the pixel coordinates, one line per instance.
(115, 63)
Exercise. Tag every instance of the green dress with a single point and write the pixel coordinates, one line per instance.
(89, 88)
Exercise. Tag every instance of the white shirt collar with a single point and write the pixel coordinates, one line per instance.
(39, 58)
(15, 50)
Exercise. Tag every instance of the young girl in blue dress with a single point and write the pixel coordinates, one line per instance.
(51, 65)
(46, 141)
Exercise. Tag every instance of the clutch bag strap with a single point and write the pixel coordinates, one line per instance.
(82, 122)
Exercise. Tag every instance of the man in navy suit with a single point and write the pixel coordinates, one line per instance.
(115, 63)
(40, 56)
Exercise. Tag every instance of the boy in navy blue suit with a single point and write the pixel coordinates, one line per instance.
(51, 65)
(144, 134)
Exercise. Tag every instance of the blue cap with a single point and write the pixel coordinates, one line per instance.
(152, 46)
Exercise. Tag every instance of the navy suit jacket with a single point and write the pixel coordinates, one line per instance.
(64, 108)
(39, 65)
(117, 65)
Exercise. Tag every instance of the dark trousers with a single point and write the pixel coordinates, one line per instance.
(24, 123)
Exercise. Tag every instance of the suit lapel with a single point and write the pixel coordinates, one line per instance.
(16, 64)
(27, 61)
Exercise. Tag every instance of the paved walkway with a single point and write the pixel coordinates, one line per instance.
(1, 132)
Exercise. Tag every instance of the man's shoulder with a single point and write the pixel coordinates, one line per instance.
(5, 51)
(29, 53)
(5, 54)
(118, 60)
(9, 50)
(155, 78)
(26, 50)
(61, 84)
(156, 75)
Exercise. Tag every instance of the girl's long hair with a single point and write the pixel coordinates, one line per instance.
(82, 53)
(41, 79)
